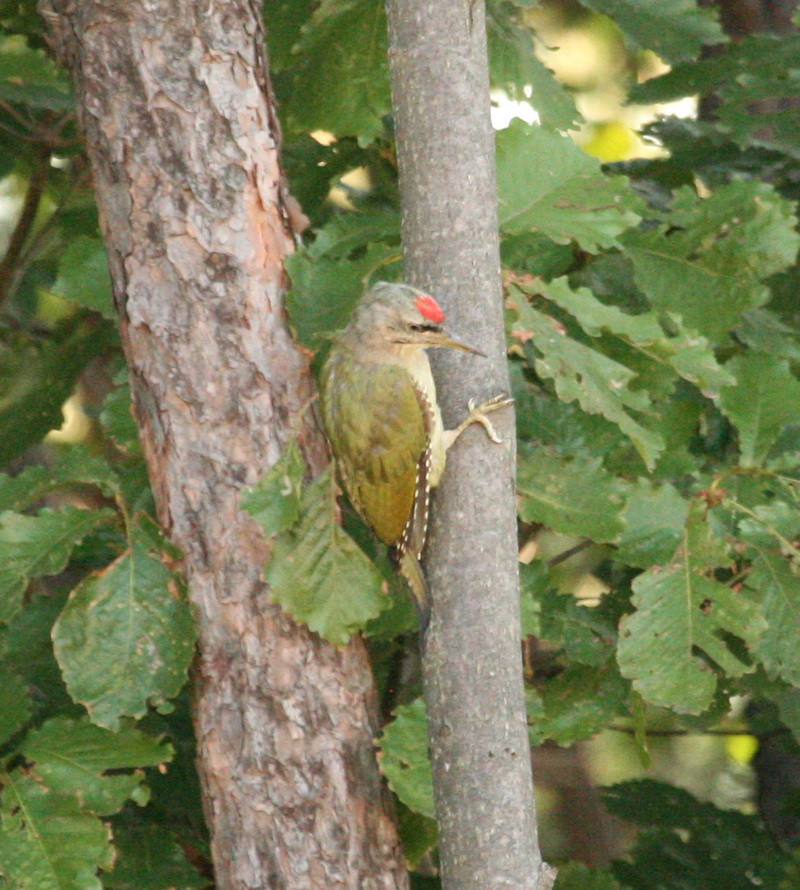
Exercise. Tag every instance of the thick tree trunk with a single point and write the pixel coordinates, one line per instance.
(472, 663)
(183, 140)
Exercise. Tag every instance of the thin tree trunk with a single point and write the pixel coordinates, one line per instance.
(183, 140)
(472, 663)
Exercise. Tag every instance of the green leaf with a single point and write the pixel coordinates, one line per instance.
(707, 264)
(681, 610)
(690, 843)
(579, 703)
(46, 841)
(404, 758)
(586, 634)
(571, 496)
(74, 757)
(284, 20)
(688, 354)
(274, 502)
(28, 76)
(36, 380)
(325, 289)
(117, 415)
(547, 184)
(655, 518)
(31, 546)
(83, 276)
(763, 331)
(599, 384)
(319, 575)
(16, 707)
(26, 651)
(788, 703)
(148, 859)
(677, 29)
(776, 581)
(74, 465)
(534, 583)
(772, 525)
(514, 66)
(126, 635)
(344, 46)
(350, 231)
(766, 397)
(533, 254)
(418, 835)
(760, 71)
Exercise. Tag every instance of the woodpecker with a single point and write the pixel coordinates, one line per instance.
(383, 421)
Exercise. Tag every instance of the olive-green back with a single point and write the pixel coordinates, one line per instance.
(378, 432)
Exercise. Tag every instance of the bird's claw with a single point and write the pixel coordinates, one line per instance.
(477, 414)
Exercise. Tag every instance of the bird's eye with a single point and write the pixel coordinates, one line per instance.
(422, 327)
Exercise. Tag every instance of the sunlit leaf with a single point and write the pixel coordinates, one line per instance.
(547, 184)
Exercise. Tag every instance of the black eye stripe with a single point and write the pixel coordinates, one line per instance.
(423, 327)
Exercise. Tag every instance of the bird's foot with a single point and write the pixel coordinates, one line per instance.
(477, 414)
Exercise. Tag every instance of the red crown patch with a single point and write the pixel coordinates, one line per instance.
(430, 309)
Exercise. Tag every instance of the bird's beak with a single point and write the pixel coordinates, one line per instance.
(444, 339)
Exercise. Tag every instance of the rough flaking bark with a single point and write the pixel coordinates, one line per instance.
(183, 141)
(472, 665)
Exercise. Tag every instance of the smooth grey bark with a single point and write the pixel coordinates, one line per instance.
(472, 663)
(183, 139)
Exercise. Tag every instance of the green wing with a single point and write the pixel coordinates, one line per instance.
(378, 433)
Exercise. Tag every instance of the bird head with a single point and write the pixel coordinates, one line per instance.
(405, 316)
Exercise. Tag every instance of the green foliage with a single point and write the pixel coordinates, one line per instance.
(764, 400)
(722, 247)
(83, 276)
(546, 184)
(676, 30)
(344, 47)
(73, 757)
(686, 843)
(681, 611)
(147, 859)
(578, 877)
(571, 496)
(316, 567)
(274, 502)
(126, 636)
(47, 841)
(655, 352)
(39, 545)
(404, 758)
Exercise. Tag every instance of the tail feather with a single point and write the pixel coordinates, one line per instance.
(411, 570)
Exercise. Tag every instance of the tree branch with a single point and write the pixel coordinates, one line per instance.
(472, 664)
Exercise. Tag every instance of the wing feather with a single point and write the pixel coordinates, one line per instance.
(379, 424)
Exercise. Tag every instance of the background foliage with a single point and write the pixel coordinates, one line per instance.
(654, 347)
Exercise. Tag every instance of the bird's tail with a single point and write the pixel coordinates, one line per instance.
(411, 570)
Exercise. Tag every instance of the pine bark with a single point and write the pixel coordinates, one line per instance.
(184, 146)
(472, 663)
